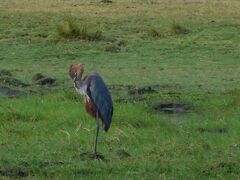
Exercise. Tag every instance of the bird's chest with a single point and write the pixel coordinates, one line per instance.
(90, 107)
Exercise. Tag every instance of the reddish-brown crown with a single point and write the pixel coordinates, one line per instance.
(76, 69)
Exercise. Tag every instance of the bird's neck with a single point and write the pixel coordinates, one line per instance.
(78, 81)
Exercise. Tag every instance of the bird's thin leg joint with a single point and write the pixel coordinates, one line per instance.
(97, 131)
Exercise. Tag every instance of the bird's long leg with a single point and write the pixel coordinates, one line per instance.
(97, 130)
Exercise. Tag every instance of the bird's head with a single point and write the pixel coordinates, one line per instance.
(76, 71)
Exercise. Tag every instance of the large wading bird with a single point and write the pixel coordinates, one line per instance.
(98, 101)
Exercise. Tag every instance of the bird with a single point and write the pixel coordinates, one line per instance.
(97, 98)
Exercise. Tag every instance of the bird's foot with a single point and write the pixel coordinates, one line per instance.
(99, 156)
(92, 156)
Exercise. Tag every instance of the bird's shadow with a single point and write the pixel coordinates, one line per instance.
(91, 156)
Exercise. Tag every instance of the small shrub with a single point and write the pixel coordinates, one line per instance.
(72, 30)
(177, 29)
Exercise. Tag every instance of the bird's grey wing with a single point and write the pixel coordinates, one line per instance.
(102, 99)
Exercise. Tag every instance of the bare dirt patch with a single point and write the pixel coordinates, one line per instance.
(44, 80)
(11, 93)
(212, 130)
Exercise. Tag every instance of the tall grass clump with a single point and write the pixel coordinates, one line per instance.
(178, 29)
(71, 29)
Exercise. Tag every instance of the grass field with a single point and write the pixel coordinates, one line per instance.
(187, 51)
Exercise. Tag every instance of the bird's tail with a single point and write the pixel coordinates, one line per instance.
(106, 127)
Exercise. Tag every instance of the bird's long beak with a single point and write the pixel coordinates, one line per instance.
(75, 77)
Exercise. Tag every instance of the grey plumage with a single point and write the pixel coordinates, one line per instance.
(100, 96)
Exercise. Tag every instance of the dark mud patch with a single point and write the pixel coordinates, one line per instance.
(11, 93)
(92, 156)
(137, 94)
(213, 130)
(142, 90)
(15, 172)
(47, 81)
(171, 107)
(122, 154)
(44, 80)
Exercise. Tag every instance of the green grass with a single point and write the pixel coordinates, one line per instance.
(43, 136)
